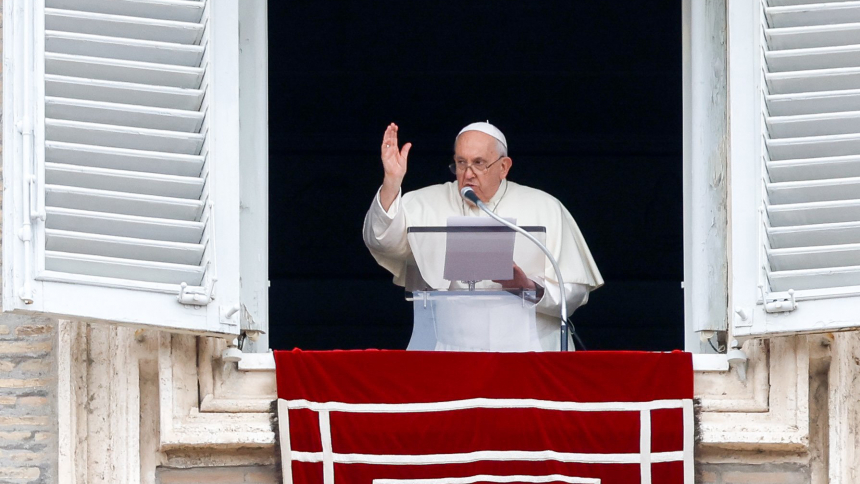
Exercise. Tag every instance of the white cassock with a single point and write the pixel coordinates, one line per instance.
(385, 236)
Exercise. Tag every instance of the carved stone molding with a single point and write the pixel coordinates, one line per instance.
(134, 400)
(771, 410)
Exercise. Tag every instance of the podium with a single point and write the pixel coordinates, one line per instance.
(456, 304)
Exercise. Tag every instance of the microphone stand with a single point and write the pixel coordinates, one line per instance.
(477, 201)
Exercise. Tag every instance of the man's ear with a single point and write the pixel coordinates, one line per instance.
(506, 163)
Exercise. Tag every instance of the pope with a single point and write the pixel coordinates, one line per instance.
(481, 162)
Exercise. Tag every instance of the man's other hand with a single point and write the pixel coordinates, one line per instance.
(394, 165)
(519, 281)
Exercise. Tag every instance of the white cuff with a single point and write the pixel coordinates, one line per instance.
(393, 209)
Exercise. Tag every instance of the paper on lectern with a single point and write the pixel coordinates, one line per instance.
(479, 256)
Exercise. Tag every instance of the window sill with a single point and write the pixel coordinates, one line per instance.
(707, 363)
(266, 362)
(257, 362)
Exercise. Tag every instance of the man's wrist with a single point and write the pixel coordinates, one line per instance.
(388, 193)
(392, 183)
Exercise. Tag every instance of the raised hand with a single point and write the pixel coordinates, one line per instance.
(393, 158)
(394, 164)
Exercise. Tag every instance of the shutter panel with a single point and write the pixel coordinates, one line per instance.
(809, 204)
(134, 163)
(812, 117)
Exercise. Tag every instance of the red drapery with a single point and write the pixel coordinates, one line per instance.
(396, 417)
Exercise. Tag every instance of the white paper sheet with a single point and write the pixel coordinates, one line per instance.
(479, 256)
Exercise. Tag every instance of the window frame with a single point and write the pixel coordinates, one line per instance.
(254, 172)
(705, 131)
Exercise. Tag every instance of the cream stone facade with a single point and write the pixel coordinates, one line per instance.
(102, 403)
(127, 406)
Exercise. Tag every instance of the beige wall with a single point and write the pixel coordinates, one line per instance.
(28, 431)
(219, 475)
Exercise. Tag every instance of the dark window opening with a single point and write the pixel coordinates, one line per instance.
(587, 94)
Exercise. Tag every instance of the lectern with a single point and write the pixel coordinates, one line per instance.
(457, 306)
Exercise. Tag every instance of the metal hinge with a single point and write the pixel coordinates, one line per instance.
(196, 295)
(35, 212)
(778, 302)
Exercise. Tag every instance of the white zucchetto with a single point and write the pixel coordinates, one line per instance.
(486, 128)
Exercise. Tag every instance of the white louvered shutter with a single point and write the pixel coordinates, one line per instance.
(121, 166)
(808, 194)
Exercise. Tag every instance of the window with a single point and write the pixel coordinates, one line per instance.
(598, 128)
(122, 164)
(794, 167)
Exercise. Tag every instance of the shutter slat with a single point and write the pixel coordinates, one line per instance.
(814, 235)
(123, 247)
(815, 36)
(814, 257)
(120, 26)
(814, 168)
(813, 102)
(114, 114)
(784, 3)
(123, 137)
(116, 268)
(122, 203)
(813, 58)
(123, 159)
(813, 190)
(184, 11)
(813, 124)
(813, 80)
(123, 71)
(126, 49)
(813, 147)
(814, 278)
(814, 213)
(123, 92)
(124, 181)
(120, 225)
(813, 14)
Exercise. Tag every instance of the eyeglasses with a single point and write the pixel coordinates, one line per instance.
(479, 166)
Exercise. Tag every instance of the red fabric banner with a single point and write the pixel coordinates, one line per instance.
(397, 417)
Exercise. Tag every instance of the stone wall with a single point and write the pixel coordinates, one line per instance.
(786, 473)
(219, 475)
(28, 429)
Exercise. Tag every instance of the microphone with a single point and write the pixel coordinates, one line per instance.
(470, 195)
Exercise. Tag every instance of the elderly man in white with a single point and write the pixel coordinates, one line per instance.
(481, 162)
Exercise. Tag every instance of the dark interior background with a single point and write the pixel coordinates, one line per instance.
(588, 95)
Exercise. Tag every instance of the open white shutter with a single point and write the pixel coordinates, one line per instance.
(807, 183)
(121, 183)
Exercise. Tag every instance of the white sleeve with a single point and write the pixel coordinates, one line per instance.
(576, 295)
(385, 231)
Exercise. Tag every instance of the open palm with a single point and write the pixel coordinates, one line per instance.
(394, 158)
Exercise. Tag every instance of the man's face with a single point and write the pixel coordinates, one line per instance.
(475, 146)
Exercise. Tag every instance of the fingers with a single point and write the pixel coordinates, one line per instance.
(389, 139)
(520, 280)
(405, 151)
